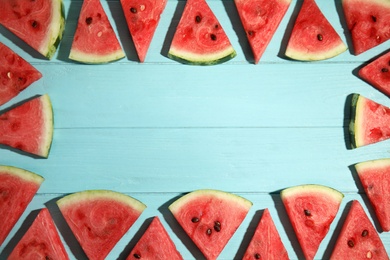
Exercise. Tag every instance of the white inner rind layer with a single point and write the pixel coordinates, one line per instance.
(311, 189)
(359, 120)
(92, 195)
(95, 58)
(234, 199)
(310, 56)
(48, 128)
(373, 164)
(202, 58)
(21, 173)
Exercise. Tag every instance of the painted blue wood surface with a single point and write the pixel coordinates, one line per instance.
(159, 129)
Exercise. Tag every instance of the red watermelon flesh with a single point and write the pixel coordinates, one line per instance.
(99, 218)
(377, 73)
(210, 218)
(199, 38)
(41, 241)
(313, 37)
(368, 22)
(358, 238)
(375, 178)
(29, 126)
(155, 244)
(39, 23)
(370, 121)
(311, 210)
(142, 17)
(16, 74)
(95, 40)
(260, 19)
(17, 188)
(266, 242)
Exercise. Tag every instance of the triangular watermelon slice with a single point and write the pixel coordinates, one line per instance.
(313, 37)
(358, 238)
(142, 17)
(95, 41)
(368, 22)
(210, 218)
(17, 188)
(260, 19)
(16, 74)
(266, 242)
(155, 243)
(377, 73)
(370, 121)
(375, 178)
(99, 218)
(199, 38)
(41, 241)
(39, 23)
(311, 209)
(29, 126)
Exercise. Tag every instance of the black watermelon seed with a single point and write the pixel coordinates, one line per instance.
(364, 233)
(213, 37)
(320, 37)
(351, 243)
(34, 24)
(195, 220)
(198, 19)
(373, 18)
(137, 256)
(88, 20)
(307, 212)
(385, 70)
(133, 10)
(257, 256)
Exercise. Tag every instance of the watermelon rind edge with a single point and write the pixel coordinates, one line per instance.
(96, 59)
(362, 166)
(353, 128)
(310, 188)
(201, 59)
(22, 173)
(305, 56)
(176, 205)
(49, 126)
(77, 197)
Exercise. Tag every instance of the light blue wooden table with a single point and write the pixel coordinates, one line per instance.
(160, 129)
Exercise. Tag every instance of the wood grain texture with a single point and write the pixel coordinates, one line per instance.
(159, 129)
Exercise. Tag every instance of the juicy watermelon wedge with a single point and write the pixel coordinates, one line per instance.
(99, 218)
(16, 74)
(266, 242)
(142, 17)
(369, 123)
(210, 218)
(41, 241)
(95, 41)
(377, 73)
(155, 243)
(311, 210)
(260, 19)
(375, 178)
(358, 238)
(313, 37)
(199, 38)
(39, 23)
(368, 22)
(29, 126)
(17, 188)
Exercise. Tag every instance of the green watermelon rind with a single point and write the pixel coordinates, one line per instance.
(22, 174)
(306, 56)
(47, 137)
(233, 198)
(91, 195)
(311, 189)
(56, 32)
(356, 116)
(96, 59)
(191, 58)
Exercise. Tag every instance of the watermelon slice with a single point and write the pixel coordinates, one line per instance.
(39, 23)
(95, 40)
(16, 74)
(266, 242)
(358, 238)
(99, 218)
(375, 178)
(17, 188)
(377, 73)
(155, 243)
(260, 19)
(313, 37)
(41, 241)
(370, 121)
(142, 17)
(311, 209)
(368, 22)
(210, 218)
(199, 38)
(29, 127)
